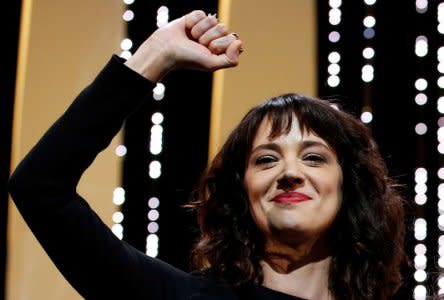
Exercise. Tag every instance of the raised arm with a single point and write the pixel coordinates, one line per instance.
(43, 186)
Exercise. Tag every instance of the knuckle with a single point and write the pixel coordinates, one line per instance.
(221, 28)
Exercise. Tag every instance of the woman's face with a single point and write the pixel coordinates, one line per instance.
(293, 183)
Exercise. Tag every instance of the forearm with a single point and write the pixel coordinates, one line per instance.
(87, 127)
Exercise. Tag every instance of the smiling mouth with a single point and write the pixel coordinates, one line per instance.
(291, 198)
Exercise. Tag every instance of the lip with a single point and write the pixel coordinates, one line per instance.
(291, 198)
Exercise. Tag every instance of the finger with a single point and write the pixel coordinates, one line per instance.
(203, 26)
(233, 52)
(220, 45)
(229, 59)
(213, 33)
(194, 17)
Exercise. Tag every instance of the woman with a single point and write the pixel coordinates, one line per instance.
(298, 199)
(296, 205)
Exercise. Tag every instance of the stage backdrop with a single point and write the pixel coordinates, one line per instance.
(64, 45)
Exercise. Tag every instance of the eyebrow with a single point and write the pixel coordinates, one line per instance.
(305, 144)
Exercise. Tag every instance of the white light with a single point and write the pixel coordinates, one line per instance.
(370, 2)
(118, 196)
(441, 282)
(421, 175)
(421, 128)
(368, 53)
(421, 84)
(163, 10)
(366, 117)
(441, 211)
(333, 69)
(155, 147)
(420, 199)
(117, 229)
(153, 227)
(441, 173)
(126, 44)
(335, 3)
(441, 104)
(440, 82)
(333, 80)
(441, 240)
(121, 150)
(440, 53)
(421, 46)
(420, 228)
(369, 21)
(420, 292)
(367, 73)
(421, 99)
(420, 188)
(441, 222)
(117, 217)
(420, 249)
(441, 262)
(159, 89)
(334, 57)
(420, 261)
(128, 15)
(440, 134)
(153, 215)
(420, 275)
(157, 118)
(441, 28)
(125, 54)
(152, 245)
(162, 20)
(334, 36)
(421, 6)
(156, 139)
(440, 67)
(128, 2)
(334, 16)
(155, 169)
(153, 202)
(441, 148)
(162, 16)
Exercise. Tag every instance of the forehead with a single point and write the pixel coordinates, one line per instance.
(295, 133)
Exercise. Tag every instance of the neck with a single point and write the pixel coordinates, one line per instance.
(301, 271)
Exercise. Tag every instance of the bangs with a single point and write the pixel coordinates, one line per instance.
(320, 117)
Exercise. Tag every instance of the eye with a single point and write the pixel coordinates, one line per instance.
(265, 160)
(314, 158)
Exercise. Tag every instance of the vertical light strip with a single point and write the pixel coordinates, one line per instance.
(440, 136)
(420, 291)
(119, 193)
(368, 54)
(155, 144)
(334, 57)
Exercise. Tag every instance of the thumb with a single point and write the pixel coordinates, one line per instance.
(230, 58)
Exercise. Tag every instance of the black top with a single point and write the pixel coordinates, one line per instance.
(96, 263)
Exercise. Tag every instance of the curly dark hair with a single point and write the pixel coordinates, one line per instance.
(367, 236)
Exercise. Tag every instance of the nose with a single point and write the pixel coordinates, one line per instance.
(289, 179)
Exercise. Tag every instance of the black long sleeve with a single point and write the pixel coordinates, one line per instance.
(43, 188)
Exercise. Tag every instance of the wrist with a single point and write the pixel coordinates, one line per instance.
(151, 60)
